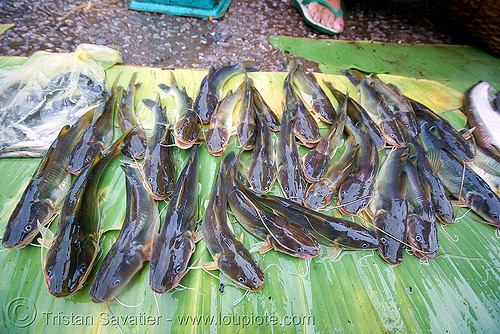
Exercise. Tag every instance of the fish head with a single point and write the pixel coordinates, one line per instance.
(158, 178)
(315, 165)
(391, 247)
(307, 131)
(247, 133)
(83, 155)
(135, 144)
(319, 195)
(23, 223)
(116, 270)
(394, 133)
(444, 212)
(487, 206)
(296, 241)
(205, 105)
(169, 263)
(67, 265)
(241, 268)
(422, 236)
(261, 175)
(186, 132)
(349, 197)
(217, 139)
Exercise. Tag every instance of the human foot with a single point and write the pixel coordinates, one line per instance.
(322, 14)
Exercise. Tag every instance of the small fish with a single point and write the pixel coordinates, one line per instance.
(356, 191)
(463, 183)
(187, 128)
(176, 242)
(392, 129)
(134, 145)
(290, 174)
(266, 112)
(246, 121)
(158, 166)
(211, 87)
(318, 160)
(483, 117)
(487, 166)
(221, 123)
(75, 245)
(133, 245)
(389, 206)
(310, 90)
(359, 114)
(321, 193)
(228, 253)
(46, 190)
(277, 232)
(328, 230)
(402, 110)
(97, 137)
(439, 198)
(455, 144)
(305, 127)
(421, 221)
(262, 171)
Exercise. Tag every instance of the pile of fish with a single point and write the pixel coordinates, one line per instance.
(399, 199)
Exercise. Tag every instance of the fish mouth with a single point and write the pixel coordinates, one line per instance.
(183, 145)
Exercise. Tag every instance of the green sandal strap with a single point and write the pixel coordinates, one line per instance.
(337, 13)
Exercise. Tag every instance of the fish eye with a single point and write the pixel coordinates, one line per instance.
(27, 228)
(242, 279)
(171, 179)
(383, 240)
(151, 180)
(439, 211)
(178, 130)
(392, 135)
(223, 139)
(87, 159)
(495, 216)
(177, 268)
(302, 131)
(269, 178)
(364, 245)
(50, 271)
(418, 238)
(286, 188)
(298, 249)
(343, 193)
(252, 179)
(82, 269)
(116, 282)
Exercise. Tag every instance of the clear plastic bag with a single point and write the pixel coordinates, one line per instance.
(48, 91)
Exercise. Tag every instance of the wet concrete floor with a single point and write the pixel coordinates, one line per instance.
(167, 41)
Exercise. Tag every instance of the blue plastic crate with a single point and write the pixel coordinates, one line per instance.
(197, 8)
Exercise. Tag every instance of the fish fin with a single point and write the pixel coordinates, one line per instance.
(333, 251)
(197, 235)
(47, 236)
(354, 76)
(312, 76)
(149, 103)
(395, 89)
(434, 159)
(210, 266)
(251, 66)
(261, 247)
(467, 133)
(163, 87)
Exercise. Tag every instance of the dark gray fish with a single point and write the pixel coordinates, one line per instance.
(176, 242)
(134, 243)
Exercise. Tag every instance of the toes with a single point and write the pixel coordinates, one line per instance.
(338, 24)
(327, 19)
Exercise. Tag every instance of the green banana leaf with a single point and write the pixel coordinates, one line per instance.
(357, 292)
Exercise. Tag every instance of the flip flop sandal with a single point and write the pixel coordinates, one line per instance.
(301, 6)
